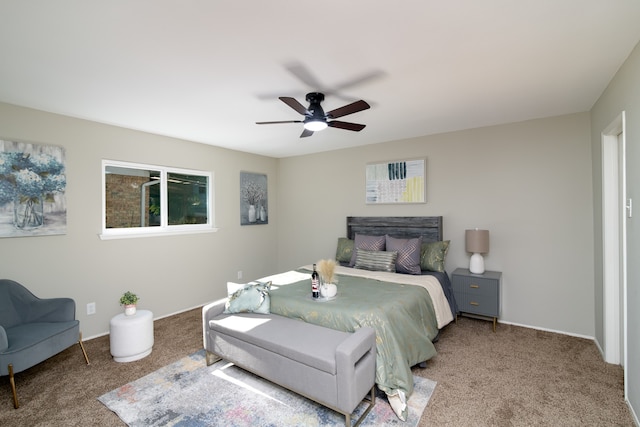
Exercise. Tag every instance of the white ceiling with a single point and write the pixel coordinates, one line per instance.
(206, 70)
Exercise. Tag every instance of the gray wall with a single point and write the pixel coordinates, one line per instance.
(170, 273)
(529, 183)
(623, 94)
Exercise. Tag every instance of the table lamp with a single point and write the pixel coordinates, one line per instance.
(477, 242)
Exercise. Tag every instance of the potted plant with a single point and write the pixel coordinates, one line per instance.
(129, 300)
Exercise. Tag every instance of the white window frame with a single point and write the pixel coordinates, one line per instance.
(164, 228)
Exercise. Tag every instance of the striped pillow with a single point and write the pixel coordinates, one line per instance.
(369, 243)
(376, 260)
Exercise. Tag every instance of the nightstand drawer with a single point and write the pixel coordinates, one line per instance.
(475, 286)
(484, 305)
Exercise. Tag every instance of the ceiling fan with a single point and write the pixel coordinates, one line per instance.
(315, 119)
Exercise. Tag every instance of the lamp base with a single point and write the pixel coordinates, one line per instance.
(476, 264)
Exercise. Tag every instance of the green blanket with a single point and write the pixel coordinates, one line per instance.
(402, 315)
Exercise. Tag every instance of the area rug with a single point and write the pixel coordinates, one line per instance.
(189, 393)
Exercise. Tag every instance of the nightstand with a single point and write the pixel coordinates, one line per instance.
(477, 294)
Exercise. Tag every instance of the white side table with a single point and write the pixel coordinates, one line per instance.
(131, 337)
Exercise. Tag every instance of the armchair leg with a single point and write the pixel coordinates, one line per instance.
(12, 380)
(84, 352)
(13, 387)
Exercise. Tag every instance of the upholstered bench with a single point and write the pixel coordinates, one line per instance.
(333, 368)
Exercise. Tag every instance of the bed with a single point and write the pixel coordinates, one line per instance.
(406, 310)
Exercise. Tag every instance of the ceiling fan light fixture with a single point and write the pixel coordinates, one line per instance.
(315, 125)
(315, 119)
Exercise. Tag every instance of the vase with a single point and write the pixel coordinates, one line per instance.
(328, 290)
(129, 309)
(28, 212)
(252, 213)
(263, 214)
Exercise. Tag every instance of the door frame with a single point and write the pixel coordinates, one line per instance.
(614, 245)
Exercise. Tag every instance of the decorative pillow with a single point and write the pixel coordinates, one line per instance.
(376, 260)
(368, 243)
(433, 255)
(234, 287)
(251, 298)
(344, 251)
(408, 260)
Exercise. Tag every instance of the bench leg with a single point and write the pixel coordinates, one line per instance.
(12, 381)
(211, 358)
(372, 403)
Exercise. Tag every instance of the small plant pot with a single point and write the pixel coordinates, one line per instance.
(129, 310)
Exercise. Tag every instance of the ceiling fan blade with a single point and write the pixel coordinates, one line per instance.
(354, 107)
(277, 122)
(356, 127)
(304, 75)
(359, 80)
(305, 133)
(293, 103)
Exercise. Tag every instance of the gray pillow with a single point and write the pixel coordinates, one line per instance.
(376, 260)
(408, 260)
(368, 243)
(251, 298)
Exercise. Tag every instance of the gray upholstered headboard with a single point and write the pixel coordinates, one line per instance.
(429, 227)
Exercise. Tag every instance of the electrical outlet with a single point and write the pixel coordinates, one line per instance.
(91, 308)
(239, 274)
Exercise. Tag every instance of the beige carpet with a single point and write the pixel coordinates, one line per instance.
(515, 377)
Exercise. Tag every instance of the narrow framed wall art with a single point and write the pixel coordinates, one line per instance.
(254, 200)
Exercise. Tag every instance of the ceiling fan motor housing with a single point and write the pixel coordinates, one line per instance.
(316, 113)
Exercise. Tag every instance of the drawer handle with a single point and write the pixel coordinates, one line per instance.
(474, 286)
(474, 303)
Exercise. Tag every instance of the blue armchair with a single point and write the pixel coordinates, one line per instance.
(33, 329)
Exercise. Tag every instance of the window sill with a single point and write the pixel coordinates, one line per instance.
(134, 235)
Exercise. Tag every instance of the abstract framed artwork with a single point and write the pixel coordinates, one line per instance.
(254, 201)
(397, 181)
(32, 190)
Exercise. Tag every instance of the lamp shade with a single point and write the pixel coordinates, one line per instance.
(477, 241)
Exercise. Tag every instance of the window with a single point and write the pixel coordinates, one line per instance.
(141, 200)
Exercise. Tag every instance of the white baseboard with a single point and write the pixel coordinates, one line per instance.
(550, 330)
(633, 413)
(84, 339)
(179, 311)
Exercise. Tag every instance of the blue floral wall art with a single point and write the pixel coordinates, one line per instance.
(32, 190)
